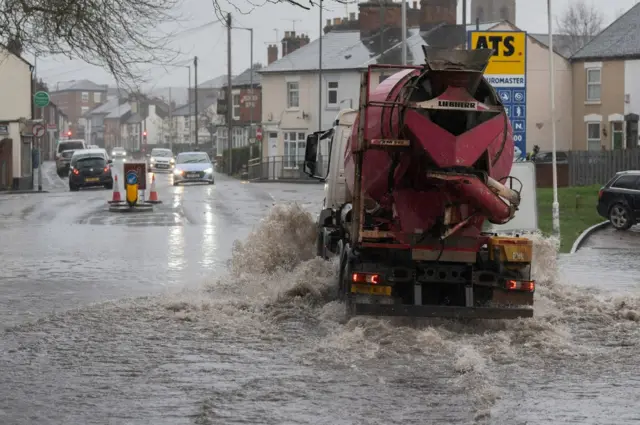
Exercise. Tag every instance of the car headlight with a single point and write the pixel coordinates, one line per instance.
(113, 153)
(208, 171)
(153, 160)
(177, 172)
(172, 160)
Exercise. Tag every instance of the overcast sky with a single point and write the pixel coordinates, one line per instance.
(210, 42)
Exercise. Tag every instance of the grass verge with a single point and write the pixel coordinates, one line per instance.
(577, 212)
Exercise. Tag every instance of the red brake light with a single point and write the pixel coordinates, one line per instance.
(370, 278)
(521, 285)
(600, 192)
(75, 171)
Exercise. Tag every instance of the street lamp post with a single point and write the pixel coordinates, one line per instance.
(250, 81)
(555, 207)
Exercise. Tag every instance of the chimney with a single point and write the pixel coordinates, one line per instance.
(291, 43)
(352, 16)
(434, 12)
(15, 46)
(415, 4)
(272, 53)
(371, 17)
(336, 21)
(328, 22)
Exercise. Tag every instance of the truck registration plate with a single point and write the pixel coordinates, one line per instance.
(371, 290)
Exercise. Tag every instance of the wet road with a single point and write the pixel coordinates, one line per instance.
(260, 343)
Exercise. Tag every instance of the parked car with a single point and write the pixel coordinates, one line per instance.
(193, 167)
(161, 159)
(64, 151)
(619, 200)
(90, 168)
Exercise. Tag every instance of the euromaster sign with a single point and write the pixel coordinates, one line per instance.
(507, 73)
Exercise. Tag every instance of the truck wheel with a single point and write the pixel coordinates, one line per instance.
(620, 217)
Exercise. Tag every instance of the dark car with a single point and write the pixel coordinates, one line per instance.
(90, 169)
(619, 200)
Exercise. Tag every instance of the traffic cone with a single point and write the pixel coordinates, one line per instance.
(153, 195)
(116, 192)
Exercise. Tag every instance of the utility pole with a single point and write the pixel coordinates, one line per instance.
(253, 101)
(403, 14)
(320, 75)
(229, 96)
(189, 102)
(555, 206)
(195, 76)
(170, 121)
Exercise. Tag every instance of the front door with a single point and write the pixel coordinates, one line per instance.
(273, 162)
(617, 135)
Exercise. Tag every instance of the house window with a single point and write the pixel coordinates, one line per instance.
(293, 95)
(84, 110)
(617, 135)
(593, 136)
(593, 84)
(294, 146)
(97, 97)
(85, 96)
(237, 137)
(332, 93)
(236, 106)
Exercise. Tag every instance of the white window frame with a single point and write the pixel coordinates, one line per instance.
(237, 137)
(293, 87)
(84, 110)
(593, 140)
(85, 96)
(235, 95)
(97, 97)
(294, 149)
(612, 123)
(594, 84)
(331, 90)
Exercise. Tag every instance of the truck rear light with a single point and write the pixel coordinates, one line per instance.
(521, 285)
(370, 278)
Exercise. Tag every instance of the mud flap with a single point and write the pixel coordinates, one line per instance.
(398, 310)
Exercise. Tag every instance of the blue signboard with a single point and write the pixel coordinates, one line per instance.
(515, 105)
(132, 177)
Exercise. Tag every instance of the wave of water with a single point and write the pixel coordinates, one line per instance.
(285, 353)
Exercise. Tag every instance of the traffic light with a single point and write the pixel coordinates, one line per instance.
(69, 133)
(144, 133)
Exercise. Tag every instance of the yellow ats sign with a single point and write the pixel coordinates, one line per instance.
(510, 50)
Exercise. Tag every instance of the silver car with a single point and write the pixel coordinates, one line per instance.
(161, 160)
(193, 167)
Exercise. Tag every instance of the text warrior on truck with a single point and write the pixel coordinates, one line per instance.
(412, 177)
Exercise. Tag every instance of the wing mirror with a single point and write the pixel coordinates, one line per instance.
(311, 154)
(109, 161)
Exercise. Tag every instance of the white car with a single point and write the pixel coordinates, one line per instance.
(161, 159)
(193, 167)
(119, 153)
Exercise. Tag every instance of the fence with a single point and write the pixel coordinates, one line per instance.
(281, 168)
(590, 168)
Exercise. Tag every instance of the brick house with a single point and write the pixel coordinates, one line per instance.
(76, 98)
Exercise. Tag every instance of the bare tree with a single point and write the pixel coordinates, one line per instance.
(118, 35)
(581, 22)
